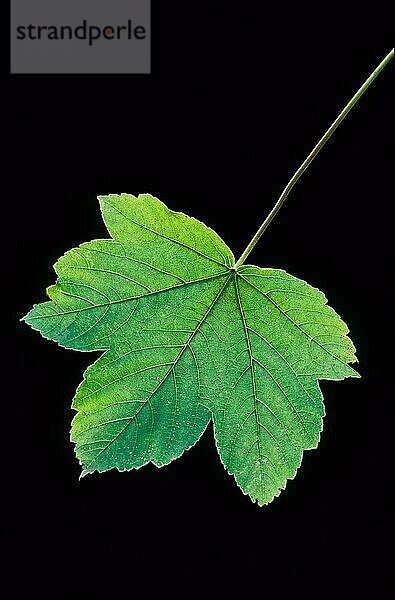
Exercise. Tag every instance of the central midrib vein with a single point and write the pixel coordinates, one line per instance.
(245, 327)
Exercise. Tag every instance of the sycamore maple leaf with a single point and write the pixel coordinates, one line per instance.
(188, 337)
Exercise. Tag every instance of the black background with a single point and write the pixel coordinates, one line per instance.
(239, 93)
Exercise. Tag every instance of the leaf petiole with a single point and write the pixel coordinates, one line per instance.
(311, 157)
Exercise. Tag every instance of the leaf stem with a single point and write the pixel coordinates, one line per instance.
(311, 157)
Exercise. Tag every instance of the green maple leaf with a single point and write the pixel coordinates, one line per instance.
(188, 337)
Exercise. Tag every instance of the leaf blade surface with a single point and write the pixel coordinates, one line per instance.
(188, 338)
